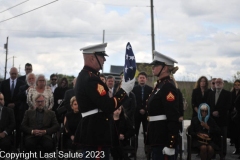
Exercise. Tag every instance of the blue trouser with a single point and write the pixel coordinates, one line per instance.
(158, 155)
(95, 153)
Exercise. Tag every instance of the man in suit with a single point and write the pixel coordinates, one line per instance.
(142, 92)
(68, 95)
(7, 124)
(54, 80)
(10, 88)
(38, 125)
(110, 84)
(28, 69)
(220, 102)
(22, 96)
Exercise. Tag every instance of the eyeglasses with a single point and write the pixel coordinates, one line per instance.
(213, 83)
(28, 69)
(41, 80)
(54, 79)
(39, 101)
(204, 111)
(236, 84)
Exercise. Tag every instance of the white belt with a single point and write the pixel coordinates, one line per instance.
(157, 118)
(88, 113)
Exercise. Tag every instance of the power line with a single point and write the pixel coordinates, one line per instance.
(75, 33)
(14, 6)
(112, 4)
(29, 11)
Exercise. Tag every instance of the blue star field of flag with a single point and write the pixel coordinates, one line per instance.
(130, 63)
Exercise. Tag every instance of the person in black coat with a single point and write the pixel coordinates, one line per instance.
(22, 96)
(10, 97)
(122, 131)
(71, 121)
(58, 97)
(142, 92)
(163, 110)
(202, 126)
(28, 69)
(95, 104)
(234, 116)
(220, 102)
(68, 95)
(7, 125)
(199, 94)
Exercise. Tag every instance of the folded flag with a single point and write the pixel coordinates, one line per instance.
(130, 63)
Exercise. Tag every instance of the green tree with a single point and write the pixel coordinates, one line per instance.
(236, 76)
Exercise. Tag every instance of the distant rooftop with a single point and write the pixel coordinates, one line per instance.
(116, 69)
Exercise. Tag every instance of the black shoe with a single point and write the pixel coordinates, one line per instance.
(236, 152)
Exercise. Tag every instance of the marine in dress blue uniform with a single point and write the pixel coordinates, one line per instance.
(162, 108)
(95, 105)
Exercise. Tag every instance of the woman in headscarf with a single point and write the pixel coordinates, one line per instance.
(204, 132)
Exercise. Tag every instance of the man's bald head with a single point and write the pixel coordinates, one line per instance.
(13, 73)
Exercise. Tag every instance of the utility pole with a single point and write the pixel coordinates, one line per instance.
(152, 29)
(19, 69)
(103, 42)
(13, 60)
(103, 36)
(6, 47)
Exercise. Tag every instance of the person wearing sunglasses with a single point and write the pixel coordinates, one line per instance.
(28, 69)
(204, 132)
(54, 80)
(220, 102)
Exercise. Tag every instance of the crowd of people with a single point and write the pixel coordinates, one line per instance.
(222, 108)
(99, 115)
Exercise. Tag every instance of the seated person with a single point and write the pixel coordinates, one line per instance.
(71, 121)
(205, 132)
(122, 130)
(38, 125)
(7, 125)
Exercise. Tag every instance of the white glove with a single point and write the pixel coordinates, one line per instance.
(128, 86)
(168, 151)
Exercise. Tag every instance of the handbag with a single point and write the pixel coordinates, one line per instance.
(203, 139)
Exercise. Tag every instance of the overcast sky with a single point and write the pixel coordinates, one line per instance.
(203, 36)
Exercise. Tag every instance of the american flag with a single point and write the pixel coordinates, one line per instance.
(130, 63)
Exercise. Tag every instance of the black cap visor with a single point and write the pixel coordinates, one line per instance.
(101, 53)
(156, 63)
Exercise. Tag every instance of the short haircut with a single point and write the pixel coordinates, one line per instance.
(39, 95)
(213, 79)
(102, 75)
(28, 65)
(110, 77)
(143, 74)
(29, 75)
(53, 75)
(73, 99)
